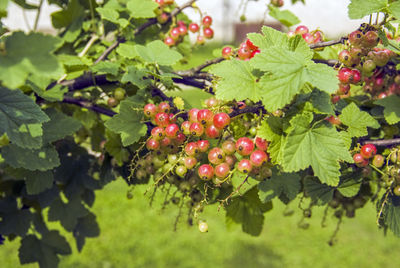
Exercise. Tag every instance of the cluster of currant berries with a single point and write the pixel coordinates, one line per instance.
(367, 152)
(246, 51)
(310, 37)
(176, 34)
(363, 61)
(349, 205)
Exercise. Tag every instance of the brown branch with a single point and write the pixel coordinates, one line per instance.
(327, 62)
(196, 70)
(84, 81)
(88, 105)
(141, 28)
(248, 109)
(382, 142)
(328, 43)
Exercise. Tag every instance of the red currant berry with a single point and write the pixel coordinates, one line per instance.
(301, 30)
(196, 129)
(250, 45)
(205, 117)
(358, 159)
(368, 151)
(165, 142)
(216, 156)
(277, 3)
(370, 39)
(244, 146)
(194, 27)
(261, 144)
(345, 75)
(221, 120)
(193, 115)
(254, 52)
(345, 57)
(334, 120)
(164, 107)
(396, 190)
(258, 158)
(230, 160)
(206, 172)
(203, 145)
(207, 21)
(160, 2)
(318, 36)
(181, 171)
(369, 66)
(191, 149)
(245, 166)
(309, 38)
(222, 170)
(150, 110)
(180, 138)
(162, 18)
(171, 131)
(183, 30)
(152, 144)
(158, 133)
(228, 147)
(356, 38)
(208, 33)
(378, 160)
(174, 33)
(190, 162)
(185, 126)
(162, 119)
(169, 41)
(244, 53)
(212, 132)
(227, 52)
(200, 40)
(356, 76)
(211, 102)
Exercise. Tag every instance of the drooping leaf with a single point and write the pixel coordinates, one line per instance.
(114, 147)
(350, 187)
(142, 8)
(285, 17)
(21, 118)
(45, 250)
(15, 222)
(318, 146)
(59, 126)
(86, 227)
(320, 193)
(67, 213)
(106, 67)
(391, 105)
(127, 122)
(65, 17)
(236, 81)
(358, 9)
(392, 216)
(357, 121)
(21, 60)
(280, 183)
(42, 159)
(158, 52)
(248, 211)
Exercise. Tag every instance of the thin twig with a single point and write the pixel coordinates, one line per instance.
(328, 43)
(195, 70)
(88, 105)
(389, 142)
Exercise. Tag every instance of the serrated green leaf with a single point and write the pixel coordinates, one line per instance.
(87, 117)
(108, 14)
(158, 52)
(318, 146)
(272, 131)
(322, 102)
(280, 183)
(43, 251)
(44, 158)
(394, 9)
(21, 60)
(193, 98)
(320, 193)
(67, 213)
(127, 122)
(357, 121)
(236, 81)
(136, 77)
(269, 38)
(15, 222)
(21, 118)
(349, 188)
(392, 217)
(53, 94)
(322, 77)
(65, 17)
(391, 105)
(248, 211)
(358, 9)
(114, 147)
(36, 181)
(59, 126)
(285, 17)
(106, 67)
(238, 178)
(142, 8)
(86, 227)
(127, 51)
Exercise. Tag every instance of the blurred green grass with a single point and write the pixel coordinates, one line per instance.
(135, 235)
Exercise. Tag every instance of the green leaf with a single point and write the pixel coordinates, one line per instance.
(238, 178)
(43, 251)
(357, 121)
(142, 8)
(269, 38)
(53, 94)
(59, 126)
(319, 146)
(322, 102)
(86, 227)
(392, 217)
(285, 17)
(21, 118)
(15, 222)
(280, 183)
(67, 16)
(136, 77)
(42, 159)
(193, 98)
(21, 60)
(108, 14)
(3, 8)
(391, 110)
(236, 81)
(394, 9)
(349, 188)
(158, 52)
(24, 4)
(37, 181)
(106, 67)
(319, 193)
(272, 130)
(248, 211)
(358, 9)
(114, 147)
(127, 122)
(127, 51)
(67, 213)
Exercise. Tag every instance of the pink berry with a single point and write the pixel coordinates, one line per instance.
(368, 151)
(245, 166)
(258, 158)
(212, 132)
(203, 145)
(244, 146)
(208, 33)
(196, 129)
(222, 170)
(191, 149)
(206, 172)
(194, 27)
(171, 131)
(207, 21)
(227, 52)
(261, 144)
(216, 156)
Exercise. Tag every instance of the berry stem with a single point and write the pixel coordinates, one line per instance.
(233, 193)
(328, 43)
